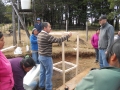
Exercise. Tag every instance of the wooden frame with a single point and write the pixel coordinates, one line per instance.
(63, 62)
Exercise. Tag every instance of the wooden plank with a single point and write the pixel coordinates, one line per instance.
(25, 12)
(73, 82)
(8, 48)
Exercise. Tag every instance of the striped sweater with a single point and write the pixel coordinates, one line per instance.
(45, 41)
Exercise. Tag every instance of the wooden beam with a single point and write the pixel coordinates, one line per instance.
(22, 22)
(8, 48)
(14, 27)
(73, 82)
(25, 13)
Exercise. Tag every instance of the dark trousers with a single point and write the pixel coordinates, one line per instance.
(97, 54)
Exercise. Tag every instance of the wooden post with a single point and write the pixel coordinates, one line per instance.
(77, 54)
(86, 31)
(19, 34)
(14, 27)
(66, 25)
(63, 62)
(22, 22)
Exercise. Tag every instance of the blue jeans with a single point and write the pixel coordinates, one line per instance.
(35, 57)
(46, 72)
(97, 54)
(102, 58)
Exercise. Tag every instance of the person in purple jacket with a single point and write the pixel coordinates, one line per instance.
(20, 66)
(94, 42)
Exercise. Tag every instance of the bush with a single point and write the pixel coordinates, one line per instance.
(30, 28)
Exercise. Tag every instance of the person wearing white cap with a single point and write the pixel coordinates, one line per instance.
(34, 45)
(38, 25)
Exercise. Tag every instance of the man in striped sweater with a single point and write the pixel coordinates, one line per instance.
(45, 41)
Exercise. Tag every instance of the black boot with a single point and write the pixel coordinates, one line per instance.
(41, 88)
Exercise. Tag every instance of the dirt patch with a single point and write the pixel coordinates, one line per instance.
(86, 60)
(84, 63)
(86, 54)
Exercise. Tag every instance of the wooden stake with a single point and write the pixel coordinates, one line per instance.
(63, 62)
(77, 54)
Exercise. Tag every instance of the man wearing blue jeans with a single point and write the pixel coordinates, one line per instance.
(45, 41)
(106, 38)
(102, 58)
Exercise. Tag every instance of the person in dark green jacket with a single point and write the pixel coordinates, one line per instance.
(107, 78)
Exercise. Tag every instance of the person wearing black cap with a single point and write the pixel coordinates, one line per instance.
(38, 25)
(34, 45)
(106, 38)
(107, 78)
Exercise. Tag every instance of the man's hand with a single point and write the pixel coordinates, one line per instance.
(105, 52)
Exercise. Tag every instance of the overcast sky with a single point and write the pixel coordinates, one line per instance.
(3, 1)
